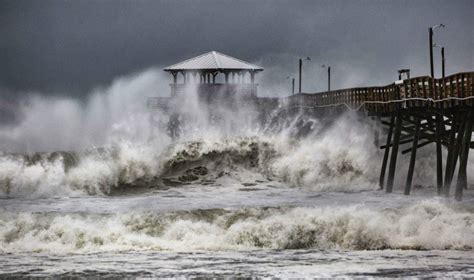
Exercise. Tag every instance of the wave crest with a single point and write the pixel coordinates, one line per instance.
(423, 226)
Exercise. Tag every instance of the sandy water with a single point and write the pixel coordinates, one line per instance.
(241, 231)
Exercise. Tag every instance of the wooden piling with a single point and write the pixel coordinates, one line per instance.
(462, 173)
(456, 151)
(386, 152)
(393, 156)
(439, 155)
(412, 157)
(449, 159)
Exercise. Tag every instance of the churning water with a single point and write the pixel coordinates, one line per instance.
(86, 191)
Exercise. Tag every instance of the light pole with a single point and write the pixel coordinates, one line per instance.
(292, 84)
(443, 60)
(329, 75)
(301, 66)
(431, 30)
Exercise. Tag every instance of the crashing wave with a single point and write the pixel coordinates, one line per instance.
(425, 225)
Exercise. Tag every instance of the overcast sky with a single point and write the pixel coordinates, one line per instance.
(70, 47)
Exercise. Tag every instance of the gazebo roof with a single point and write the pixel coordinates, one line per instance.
(213, 61)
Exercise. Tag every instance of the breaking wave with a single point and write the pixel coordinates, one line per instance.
(425, 225)
(312, 163)
(301, 152)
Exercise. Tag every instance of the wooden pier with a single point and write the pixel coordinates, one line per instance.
(418, 112)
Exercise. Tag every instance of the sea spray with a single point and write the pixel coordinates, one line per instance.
(109, 139)
(322, 161)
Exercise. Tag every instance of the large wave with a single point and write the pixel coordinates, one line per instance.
(109, 137)
(424, 225)
(307, 162)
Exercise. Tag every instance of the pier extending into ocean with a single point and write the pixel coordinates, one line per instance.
(418, 111)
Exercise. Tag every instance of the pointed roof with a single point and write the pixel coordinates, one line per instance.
(213, 61)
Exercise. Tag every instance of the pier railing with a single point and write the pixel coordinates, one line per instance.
(457, 89)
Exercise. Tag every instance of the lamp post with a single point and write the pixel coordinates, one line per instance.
(329, 75)
(439, 121)
(442, 59)
(431, 30)
(292, 84)
(300, 74)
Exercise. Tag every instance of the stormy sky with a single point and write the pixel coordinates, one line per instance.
(68, 48)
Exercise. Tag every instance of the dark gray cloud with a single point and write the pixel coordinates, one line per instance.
(69, 47)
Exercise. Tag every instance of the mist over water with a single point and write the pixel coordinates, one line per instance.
(63, 146)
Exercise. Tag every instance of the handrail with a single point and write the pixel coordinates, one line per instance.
(417, 91)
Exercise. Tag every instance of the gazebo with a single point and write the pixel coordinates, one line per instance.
(202, 72)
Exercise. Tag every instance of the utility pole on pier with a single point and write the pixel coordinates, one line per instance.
(438, 120)
(431, 31)
(292, 84)
(300, 72)
(329, 75)
(442, 59)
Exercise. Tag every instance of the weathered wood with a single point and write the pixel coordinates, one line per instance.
(449, 159)
(462, 173)
(439, 154)
(456, 151)
(418, 146)
(411, 167)
(393, 156)
(386, 152)
(407, 139)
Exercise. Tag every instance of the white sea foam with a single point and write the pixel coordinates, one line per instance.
(424, 225)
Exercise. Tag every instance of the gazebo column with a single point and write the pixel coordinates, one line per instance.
(214, 77)
(175, 77)
(184, 77)
(226, 77)
(252, 77)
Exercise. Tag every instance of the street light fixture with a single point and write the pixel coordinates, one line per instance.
(439, 121)
(431, 30)
(292, 84)
(442, 58)
(301, 65)
(329, 75)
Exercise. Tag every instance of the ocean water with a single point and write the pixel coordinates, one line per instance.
(294, 199)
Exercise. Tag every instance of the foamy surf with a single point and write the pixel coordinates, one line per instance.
(425, 225)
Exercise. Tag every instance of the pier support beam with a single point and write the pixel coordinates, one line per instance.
(456, 150)
(393, 156)
(411, 167)
(439, 155)
(451, 157)
(462, 174)
(386, 153)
